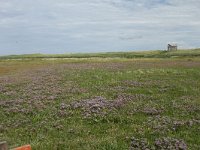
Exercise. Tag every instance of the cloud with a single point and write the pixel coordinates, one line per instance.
(62, 26)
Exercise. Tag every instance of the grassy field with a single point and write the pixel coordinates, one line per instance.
(133, 54)
(118, 102)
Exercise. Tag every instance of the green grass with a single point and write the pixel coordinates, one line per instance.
(133, 54)
(30, 115)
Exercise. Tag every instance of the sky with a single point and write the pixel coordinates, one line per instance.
(79, 26)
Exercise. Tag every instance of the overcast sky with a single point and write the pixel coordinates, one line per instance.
(71, 26)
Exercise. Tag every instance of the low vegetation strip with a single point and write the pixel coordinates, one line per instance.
(133, 54)
(101, 104)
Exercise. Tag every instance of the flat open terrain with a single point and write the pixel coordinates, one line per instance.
(101, 103)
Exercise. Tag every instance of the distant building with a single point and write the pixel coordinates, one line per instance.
(172, 47)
